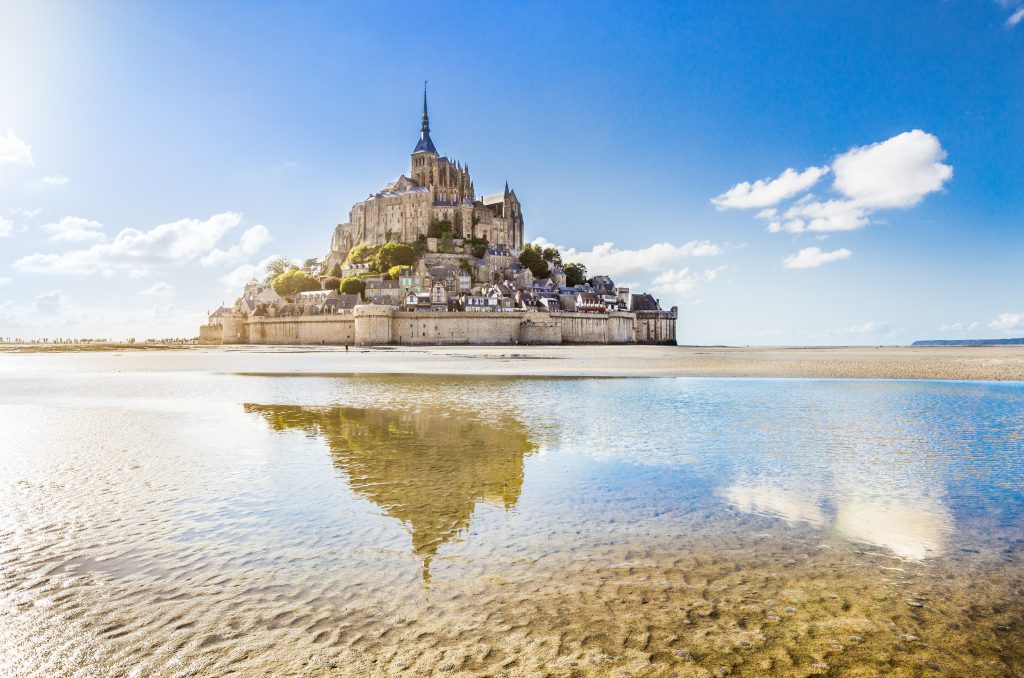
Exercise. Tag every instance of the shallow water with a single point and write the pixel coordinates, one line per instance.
(194, 523)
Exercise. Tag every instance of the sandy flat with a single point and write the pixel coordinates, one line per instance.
(971, 363)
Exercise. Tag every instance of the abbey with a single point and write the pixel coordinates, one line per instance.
(425, 261)
(437, 190)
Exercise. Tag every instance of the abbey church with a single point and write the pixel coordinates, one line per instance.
(437, 190)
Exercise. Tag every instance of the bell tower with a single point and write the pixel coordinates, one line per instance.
(424, 153)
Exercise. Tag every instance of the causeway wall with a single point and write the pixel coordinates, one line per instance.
(374, 325)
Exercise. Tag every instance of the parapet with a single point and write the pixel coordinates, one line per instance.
(373, 310)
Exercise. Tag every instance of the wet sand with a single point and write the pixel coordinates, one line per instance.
(990, 363)
(166, 522)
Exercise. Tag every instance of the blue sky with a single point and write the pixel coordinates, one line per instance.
(153, 154)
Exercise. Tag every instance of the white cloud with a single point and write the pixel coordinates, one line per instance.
(1008, 322)
(1018, 11)
(831, 215)
(683, 284)
(54, 180)
(872, 328)
(132, 250)
(606, 259)
(6, 227)
(813, 257)
(251, 242)
(768, 192)
(236, 279)
(75, 229)
(160, 289)
(50, 303)
(4, 281)
(959, 327)
(52, 314)
(898, 172)
(14, 149)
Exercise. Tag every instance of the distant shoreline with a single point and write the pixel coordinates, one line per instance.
(987, 363)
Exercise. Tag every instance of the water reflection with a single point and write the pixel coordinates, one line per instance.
(426, 467)
(911, 527)
(762, 497)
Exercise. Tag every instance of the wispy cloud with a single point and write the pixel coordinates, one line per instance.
(160, 289)
(868, 329)
(618, 263)
(1016, 8)
(52, 313)
(251, 242)
(75, 229)
(768, 192)
(683, 284)
(813, 257)
(1008, 322)
(959, 326)
(54, 180)
(14, 149)
(236, 278)
(135, 251)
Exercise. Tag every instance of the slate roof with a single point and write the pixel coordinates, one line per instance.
(425, 144)
(643, 302)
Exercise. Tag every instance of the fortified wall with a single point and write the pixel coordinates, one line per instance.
(374, 325)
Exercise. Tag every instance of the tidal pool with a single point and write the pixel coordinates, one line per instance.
(180, 523)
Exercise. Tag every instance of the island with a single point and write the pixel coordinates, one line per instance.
(425, 260)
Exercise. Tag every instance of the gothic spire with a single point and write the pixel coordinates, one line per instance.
(425, 143)
(425, 128)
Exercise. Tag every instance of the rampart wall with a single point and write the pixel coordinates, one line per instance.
(373, 325)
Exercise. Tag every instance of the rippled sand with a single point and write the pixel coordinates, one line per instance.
(176, 523)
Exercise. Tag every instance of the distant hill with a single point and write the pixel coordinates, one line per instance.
(969, 342)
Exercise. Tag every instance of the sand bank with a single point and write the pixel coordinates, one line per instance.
(972, 363)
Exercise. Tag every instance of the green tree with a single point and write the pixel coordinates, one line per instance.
(277, 266)
(360, 254)
(335, 271)
(395, 272)
(293, 282)
(575, 274)
(466, 266)
(533, 259)
(479, 248)
(353, 285)
(312, 266)
(447, 243)
(552, 255)
(393, 254)
(437, 228)
(331, 283)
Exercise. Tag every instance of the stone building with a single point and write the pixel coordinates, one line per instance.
(437, 190)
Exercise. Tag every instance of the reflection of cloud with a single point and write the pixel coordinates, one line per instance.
(911, 529)
(761, 497)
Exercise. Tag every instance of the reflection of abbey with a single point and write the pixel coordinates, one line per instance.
(425, 260)
(428, 468)
(437, 190)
